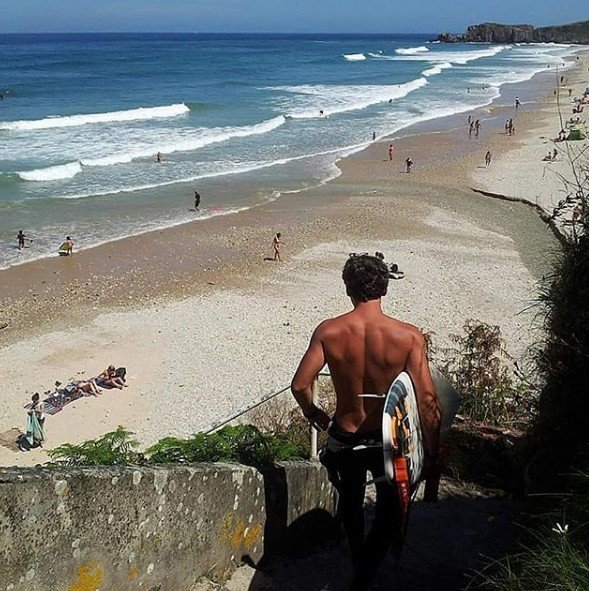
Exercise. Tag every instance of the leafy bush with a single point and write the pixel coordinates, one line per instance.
(244, 444)
(477, 367)
(117, 448)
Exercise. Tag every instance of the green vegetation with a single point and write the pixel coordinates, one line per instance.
(244, 444)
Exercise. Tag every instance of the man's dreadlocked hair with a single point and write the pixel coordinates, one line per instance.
(366, 277)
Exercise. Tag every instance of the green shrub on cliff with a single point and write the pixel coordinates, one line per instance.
(243, 444)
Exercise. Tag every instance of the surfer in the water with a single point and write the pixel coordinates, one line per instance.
(365, 351)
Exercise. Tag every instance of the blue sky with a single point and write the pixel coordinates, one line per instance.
(367, 16)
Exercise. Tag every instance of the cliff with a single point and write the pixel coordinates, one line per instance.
(497, 33)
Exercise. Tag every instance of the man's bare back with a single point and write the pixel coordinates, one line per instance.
(365, 351)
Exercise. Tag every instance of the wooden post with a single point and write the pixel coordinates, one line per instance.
(314, 454)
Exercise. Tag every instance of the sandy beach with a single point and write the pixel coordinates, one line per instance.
(204, 325)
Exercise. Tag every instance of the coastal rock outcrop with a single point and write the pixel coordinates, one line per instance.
(498, 33)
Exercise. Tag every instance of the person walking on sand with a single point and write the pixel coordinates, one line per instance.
(409, 164)
(276, 245)
(391, 152)
(365, 351)
(470, 129)
(196, 200)
(477, 127)
(488, 158)
(517, 103)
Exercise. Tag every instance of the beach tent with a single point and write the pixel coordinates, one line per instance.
(577, 132)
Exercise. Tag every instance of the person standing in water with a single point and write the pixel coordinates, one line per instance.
(158, 157)
(21, 238)
(196, 200)
(276, 245)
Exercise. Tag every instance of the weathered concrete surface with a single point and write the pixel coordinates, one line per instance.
(107, 529)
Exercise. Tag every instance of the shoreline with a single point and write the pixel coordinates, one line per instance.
(213, 326)
(116, 259)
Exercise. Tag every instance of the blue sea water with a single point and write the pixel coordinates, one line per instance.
(237, 117)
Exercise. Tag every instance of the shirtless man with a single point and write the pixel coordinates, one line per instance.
(365, 350)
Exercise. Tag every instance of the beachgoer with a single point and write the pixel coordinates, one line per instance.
(488, 158)
(276, 245)
(373, 135)
(507, 127)
(196, 200)
(158, 157)
(365, 351)
(477, 127)
(570, 91)
(320, 112)
(87, 386)
(109, 377)
(391, 152)
(35, 433)
(21, 237)
(517, 103)
(468, 89)
(470, 129)
(67, 248)
(408, 164)
(469, 119)
(554, 155)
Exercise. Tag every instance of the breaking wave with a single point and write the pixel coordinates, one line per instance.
(309, 99)
(77, 120)
(354, 57)
(411, 50)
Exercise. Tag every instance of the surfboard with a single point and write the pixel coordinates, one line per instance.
(402, 433)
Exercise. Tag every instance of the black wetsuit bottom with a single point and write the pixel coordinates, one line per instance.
(348, 470)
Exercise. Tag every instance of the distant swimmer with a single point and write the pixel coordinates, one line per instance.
(390, 101)
(158, 157)
(468, 89)
(67, 248)
(196, 200)
(391, 152)
(409, 164)
(321, 114)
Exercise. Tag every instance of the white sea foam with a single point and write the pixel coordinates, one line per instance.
(52, 173)
(308, 100)
(452, 57)
(411, 50)
(354, 57)
(437, 69)
(115, 116)
(206, 138)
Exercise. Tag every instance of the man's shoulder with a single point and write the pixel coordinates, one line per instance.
(409, 329)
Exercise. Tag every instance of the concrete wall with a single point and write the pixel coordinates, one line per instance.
(155, 529)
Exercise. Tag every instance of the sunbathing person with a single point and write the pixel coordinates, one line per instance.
(87, 386)
(109, 377)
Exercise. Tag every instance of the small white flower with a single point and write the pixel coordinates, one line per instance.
(561, 530)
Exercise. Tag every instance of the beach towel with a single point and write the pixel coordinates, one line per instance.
(35, 434)
(55, 402)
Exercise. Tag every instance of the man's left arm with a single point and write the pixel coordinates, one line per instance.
(302, 384)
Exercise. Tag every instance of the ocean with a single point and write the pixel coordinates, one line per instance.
(242, 119)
